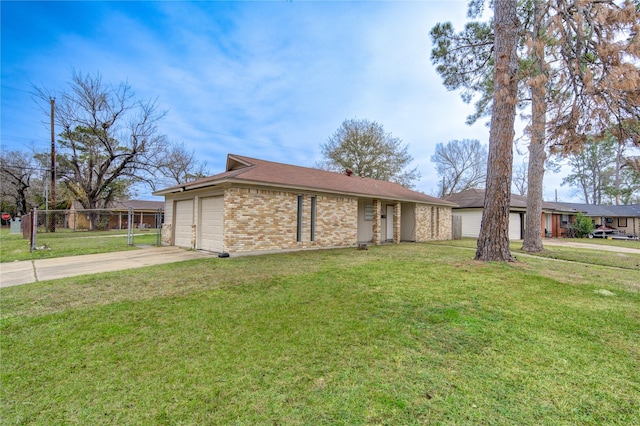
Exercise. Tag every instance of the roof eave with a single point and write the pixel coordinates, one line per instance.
(331, 191)
(187, 187)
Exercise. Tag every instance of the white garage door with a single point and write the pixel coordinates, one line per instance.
(211, 224)
(471, 223)
(183, 220)
(514, 226)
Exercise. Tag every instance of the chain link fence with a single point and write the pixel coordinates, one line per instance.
(143, 225)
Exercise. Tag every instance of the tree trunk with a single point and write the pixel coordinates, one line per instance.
(596, 196)
(493, 242)
(21, 200)
(533, 223)
(616, 182)
(585, 192)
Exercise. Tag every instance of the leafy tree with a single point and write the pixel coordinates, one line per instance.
(593, 54)
(364, 147)
(41, 186)
(602, 174)
(633, 162)
(591, 169)
(18, 170)
(583, 225)
(536, 74)
(625, 185)
(87, 172)
(493, 241)
(576, 71)
(628, 191)
(461, 165)
(109, 140)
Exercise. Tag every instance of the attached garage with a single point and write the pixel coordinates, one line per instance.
(472, 219)
(183, 219)
(259, 206)
(211, 227)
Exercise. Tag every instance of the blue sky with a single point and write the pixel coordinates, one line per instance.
(267, 79)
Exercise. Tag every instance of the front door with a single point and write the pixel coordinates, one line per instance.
(389, 222)
(548, 226)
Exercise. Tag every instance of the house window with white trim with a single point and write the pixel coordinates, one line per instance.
(368, 212)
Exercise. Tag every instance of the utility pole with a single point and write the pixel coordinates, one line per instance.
(52, 226)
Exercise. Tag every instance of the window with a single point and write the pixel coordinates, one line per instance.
(368, 212)
(622, 222)
(313, 218)
(299, 224)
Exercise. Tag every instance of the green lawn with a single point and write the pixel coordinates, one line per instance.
(588, 256)
(408, 334)
(610, 242)
(59, 244)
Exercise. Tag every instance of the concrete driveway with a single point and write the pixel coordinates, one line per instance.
(30, 271)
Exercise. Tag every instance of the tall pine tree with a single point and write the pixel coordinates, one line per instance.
(577, 71)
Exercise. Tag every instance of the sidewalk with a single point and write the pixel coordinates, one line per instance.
(30, 271)
(571, 242)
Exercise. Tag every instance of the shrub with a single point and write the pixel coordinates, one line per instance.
(582, 225)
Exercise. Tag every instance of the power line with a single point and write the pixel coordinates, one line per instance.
(39, 169)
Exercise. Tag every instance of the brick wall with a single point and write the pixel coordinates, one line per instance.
(167, 233)
(433, 223)
(267, 220)
(397, 221)
(446, 218)
(377, 224)
(260, 219)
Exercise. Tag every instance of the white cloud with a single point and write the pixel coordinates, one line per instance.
(270, 80)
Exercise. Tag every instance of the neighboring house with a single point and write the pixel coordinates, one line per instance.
(623, 218)
(258, 205)
(556, 218)
(116, 215)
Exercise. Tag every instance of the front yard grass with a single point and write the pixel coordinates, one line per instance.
(609, 242)
(588, 256)
(65, 243)
(572, 254)
(408, 334)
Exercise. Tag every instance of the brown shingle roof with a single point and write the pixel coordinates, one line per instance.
(471, 198)
(125, 204)
(474, 198)
(261, 172)
(138, 204)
